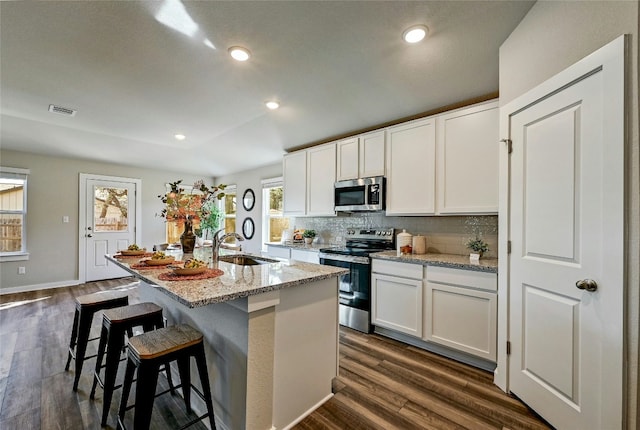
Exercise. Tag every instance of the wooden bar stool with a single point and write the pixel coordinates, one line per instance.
(116, 323)
(86, 307)
(146, 353)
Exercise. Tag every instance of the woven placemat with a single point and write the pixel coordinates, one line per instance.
(210, 273)
(143, 266)
(146, 254)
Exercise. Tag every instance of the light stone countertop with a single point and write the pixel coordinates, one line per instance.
(237, 281)
(444, 260)
(314, 247)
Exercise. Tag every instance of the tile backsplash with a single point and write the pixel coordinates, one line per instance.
(445, 234)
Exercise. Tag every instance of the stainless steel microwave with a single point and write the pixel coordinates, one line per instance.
(366, 194)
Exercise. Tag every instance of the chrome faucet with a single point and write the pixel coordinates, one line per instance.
(217, 241)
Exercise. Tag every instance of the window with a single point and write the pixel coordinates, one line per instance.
(229, 209)
(13, 214)
(273, 221)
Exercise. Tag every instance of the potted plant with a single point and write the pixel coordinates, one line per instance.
(308, 236)
(478, 246)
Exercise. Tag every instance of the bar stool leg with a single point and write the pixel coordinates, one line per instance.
(126, 389)
(204, 382)
(84, 329)
(115, 344)
(72, 342)
(104, 333)
(145, 394)
(184, 364)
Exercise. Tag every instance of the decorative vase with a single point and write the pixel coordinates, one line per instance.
(308, 240)
(188, 238)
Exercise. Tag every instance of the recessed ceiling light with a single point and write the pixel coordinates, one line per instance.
(180, 136)
(272, 104)
(239, 53)
(415, 34)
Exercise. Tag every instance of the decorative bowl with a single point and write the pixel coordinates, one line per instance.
(157, 261)
(189, 271)
(133, 253)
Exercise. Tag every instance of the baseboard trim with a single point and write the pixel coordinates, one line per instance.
(38, 287)
(306, 413)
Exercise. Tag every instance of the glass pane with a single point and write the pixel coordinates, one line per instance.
(275, 201)
(11, 194)
(229, 226)
(110, 209)
(10, 233)
(230, 205)
(276, 227)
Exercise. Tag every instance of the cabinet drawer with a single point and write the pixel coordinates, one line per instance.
(306, 256)
(405, 270)
(278, 252)
(463, 278)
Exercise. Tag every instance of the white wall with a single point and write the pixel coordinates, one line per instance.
(52, 192)
(551, 37)
(251, 179)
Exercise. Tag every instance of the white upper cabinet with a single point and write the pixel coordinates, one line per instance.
(467, 148)
(361, 156)
(411, 168)
(348, 159)
(372, 154)
(321, 175)
(294, 172)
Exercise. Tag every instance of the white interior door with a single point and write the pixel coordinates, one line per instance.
(109, 217)
(566, 229)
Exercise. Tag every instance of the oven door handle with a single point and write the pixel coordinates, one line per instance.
(345, 258)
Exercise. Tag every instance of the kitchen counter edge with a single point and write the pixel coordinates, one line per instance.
(453, 261)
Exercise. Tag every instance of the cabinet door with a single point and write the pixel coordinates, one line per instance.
(278, 252)
(468, 146)
(372, 154)
(461, 318)
(411, 164)
(321, 176)
(306, 256)
(348, 155)
(294, 172)
(396, 303)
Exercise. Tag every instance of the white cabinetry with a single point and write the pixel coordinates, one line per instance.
(362, 156)
(304, 255)
(467, 148)
(411, 168)
(278, 251)
(294, 172)
(308, 177)
(396, 296)
(348, 156)
(461, 310)
(321, 175)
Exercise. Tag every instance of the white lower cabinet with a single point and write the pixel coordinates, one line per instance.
(461, 310)
(306, 256)
(396, 302)
(278, 251)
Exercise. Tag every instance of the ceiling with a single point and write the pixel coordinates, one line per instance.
(136, 79)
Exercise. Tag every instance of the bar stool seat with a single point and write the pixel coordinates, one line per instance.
(146, 353)
(116, 323)
(86, 307)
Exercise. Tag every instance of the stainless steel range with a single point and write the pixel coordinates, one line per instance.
(355, 286)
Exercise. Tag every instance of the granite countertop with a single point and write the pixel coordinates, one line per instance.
(236, 282)
(444, 260)
(314, 247)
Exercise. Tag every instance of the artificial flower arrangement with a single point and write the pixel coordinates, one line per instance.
(186, 207)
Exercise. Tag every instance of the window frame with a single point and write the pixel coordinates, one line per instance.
(268, 184)
(21, 174)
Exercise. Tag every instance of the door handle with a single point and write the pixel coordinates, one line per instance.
(587, 284)
(89, 235)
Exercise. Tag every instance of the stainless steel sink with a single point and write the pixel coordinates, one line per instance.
(245, 260)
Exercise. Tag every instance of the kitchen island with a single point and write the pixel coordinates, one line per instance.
(271, 336)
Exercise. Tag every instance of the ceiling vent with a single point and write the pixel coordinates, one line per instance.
(62, 110)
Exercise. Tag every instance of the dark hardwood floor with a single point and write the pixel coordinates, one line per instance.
(383, 384)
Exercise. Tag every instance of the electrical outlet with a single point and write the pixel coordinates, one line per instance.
(65, 219)
(22, 270)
